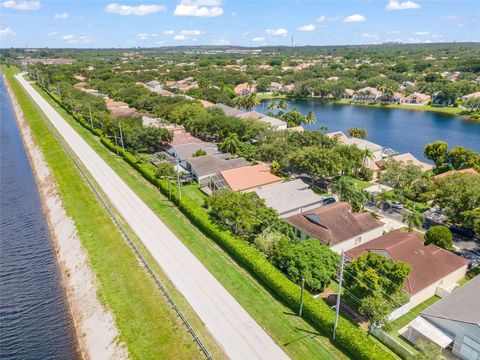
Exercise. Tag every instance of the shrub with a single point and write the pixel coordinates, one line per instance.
(440, 236)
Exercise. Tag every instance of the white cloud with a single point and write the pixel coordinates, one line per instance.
(322, 18)
(61, 16)
(7, 32)
(73, 39)
(145, 36)
(277, 32)
(437, 36)
(450, 17)
(53, 33)
(258, 39)
(355, 18)
(139, 10)
(422, 33)
(169, 32)
(405, 5)
(370, 36)
(180, 37)
(191, 32)
(200, 8)
(309, 27)
(22, 5)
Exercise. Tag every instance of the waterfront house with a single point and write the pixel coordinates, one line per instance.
(249, 178)
(335, 226)
(275, 123)
(348, 94)
(290, 197)
(452, 323)
(434, 271)
(367, 94)
(407, 158)
(471, 96)
(244, 89)
(228, 110)
(416, 99)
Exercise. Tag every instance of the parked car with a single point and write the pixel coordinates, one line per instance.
(397, 205)
(328, 200)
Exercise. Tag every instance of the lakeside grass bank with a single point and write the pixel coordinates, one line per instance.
(147, 324)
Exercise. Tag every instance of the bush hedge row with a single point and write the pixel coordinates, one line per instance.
(350, 338)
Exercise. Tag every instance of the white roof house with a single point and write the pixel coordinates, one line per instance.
(290, 198)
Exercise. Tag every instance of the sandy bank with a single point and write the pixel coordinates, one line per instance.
(94, 324)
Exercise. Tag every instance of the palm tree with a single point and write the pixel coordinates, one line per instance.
(247, 102)
(382, 198)
(310, 118)
(413, 219)
(230, 144)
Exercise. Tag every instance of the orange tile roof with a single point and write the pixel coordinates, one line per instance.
(249, 177)
(429, 263)
(451, 172)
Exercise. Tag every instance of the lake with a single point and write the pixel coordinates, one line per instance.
(35, 321)
(401, 130)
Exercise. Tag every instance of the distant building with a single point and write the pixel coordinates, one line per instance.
(416, 99)
(244, 89)
(471, 96)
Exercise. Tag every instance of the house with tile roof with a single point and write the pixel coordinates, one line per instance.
(204, 167)
(434, 271)
(249, 178)
(336, 226)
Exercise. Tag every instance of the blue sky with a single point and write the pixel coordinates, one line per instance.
(128, 23)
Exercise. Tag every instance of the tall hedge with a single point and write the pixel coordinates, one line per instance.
(349, 337)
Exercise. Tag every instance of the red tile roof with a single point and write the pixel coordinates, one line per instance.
(249, 177)
(339, 223)
(451, 172)
(182, 138)
(429, 263)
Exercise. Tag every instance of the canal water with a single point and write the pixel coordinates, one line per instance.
(34, 319)
(402, 130)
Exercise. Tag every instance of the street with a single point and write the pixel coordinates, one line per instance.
(232, 327)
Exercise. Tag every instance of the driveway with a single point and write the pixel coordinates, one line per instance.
(232, 327)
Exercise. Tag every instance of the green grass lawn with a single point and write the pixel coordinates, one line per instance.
(297, 338)
(360, 183)
(147, 324)
(402, 321)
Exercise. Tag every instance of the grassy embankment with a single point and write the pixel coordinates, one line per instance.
(147, 324)
(297, 338)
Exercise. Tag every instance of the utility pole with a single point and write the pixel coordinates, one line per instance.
(178, 181)
(90, 111)
(121, 136)
(301, 297)
(337, 307)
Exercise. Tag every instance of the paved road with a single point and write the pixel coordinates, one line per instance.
(236, 331)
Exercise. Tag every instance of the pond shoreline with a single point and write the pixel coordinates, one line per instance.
(447, 110)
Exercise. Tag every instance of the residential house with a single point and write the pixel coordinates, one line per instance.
(335, 226)
(406, 84)
(471, 96)
(290, 197)
(119, 108)
(416, 99)
(280, 88)
(249, 178)
(333, 78)
(367, 94)
(244, 89)
(80, 85)
(79, 77)
(204, 167)
(434, 271)
(451, 172)
(184, 152)
(275, 123)
(451, 323)
(348, 94)
(228, 110)
(407, 158)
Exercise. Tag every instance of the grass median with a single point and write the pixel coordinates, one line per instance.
(297, 338)
(147, 324)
